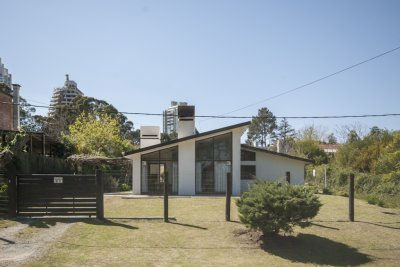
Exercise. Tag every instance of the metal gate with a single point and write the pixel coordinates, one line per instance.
(59, 195)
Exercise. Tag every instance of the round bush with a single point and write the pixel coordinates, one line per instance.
(273, 207)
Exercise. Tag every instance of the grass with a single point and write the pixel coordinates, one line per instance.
(200, 237)
(5, 222)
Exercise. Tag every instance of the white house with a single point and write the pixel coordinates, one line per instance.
(199, 163)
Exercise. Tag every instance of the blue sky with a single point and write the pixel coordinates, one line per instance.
(217, 55)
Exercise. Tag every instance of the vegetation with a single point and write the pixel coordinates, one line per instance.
(98, 135)
(58, 123)
(14, 143)
(374, 159)
(272, 207)
(262, 128)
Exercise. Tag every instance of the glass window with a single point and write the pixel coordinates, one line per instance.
(248, 172)
(156, 166)
(213, 163)
(151, 156)
(247, 155)
(204, 149)
(169, 154)
(205, 176)
(223, 147)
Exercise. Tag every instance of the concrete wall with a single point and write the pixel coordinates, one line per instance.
(6, 112)
(136, 170)
(272, 167)
(187, 168)
(236, 148)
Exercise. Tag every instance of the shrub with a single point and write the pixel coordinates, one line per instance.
(375, 200)
(124, 187)
(326, 191)
(110, 184)
(273, 207)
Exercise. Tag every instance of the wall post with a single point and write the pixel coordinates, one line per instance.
(228, 196)
(351, 198)
(12, 191)
(166, 197)
(99, 195)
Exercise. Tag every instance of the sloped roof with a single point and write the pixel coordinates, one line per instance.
(176, 141)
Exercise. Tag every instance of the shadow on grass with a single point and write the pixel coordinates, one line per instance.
(324, 226)
(189, 225)
(389, 213)
(312, 249)
(50, 222)
(381, 225)
(7, 241)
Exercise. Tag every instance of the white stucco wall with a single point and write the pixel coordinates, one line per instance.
(136, 174)
(187, 167)
(187, 164)
(272, 167)
(236, 148)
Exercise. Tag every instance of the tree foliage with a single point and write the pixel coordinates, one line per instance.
(310, 150)
(285, 134)
(66, 115)
(363, 155)
(99, 135)
(262, 128)
(273, 207)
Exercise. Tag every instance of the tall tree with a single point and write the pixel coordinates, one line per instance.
(65, 116)
(262, 128)
(286, 135)
(312, 132)
(97, 134)
(332, 139)
(28, 119)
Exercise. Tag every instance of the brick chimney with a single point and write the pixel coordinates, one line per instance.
(16, 106)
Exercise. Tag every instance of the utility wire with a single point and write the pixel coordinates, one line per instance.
(239, 117)
(222, 116)
(314, 81)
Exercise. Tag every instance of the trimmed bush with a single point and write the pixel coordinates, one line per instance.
(273, 207)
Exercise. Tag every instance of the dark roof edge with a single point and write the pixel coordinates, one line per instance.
(276, 153)
(188, 138)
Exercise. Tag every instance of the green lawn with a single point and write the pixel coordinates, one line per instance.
(200, 237)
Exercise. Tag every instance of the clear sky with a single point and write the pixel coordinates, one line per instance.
(217, 55)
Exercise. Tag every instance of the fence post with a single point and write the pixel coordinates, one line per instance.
(99, 195)
(166, 197)
(228, 196)
(287, 177)
(12, 191)
(351, 198)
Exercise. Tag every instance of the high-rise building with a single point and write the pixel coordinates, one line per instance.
(9, 101)
(64, 95)
(170, 117)
(5, 77)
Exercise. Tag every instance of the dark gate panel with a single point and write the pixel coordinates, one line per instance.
(3, 195)
(3, 203)
(56, 195)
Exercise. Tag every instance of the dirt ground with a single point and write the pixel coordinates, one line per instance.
(28, 240)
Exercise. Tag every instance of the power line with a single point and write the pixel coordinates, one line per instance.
(314, 81)
(240, 117)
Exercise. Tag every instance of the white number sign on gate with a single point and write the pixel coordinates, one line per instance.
(58, 180)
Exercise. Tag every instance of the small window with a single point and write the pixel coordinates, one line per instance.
(247, 155)
(248, 172)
